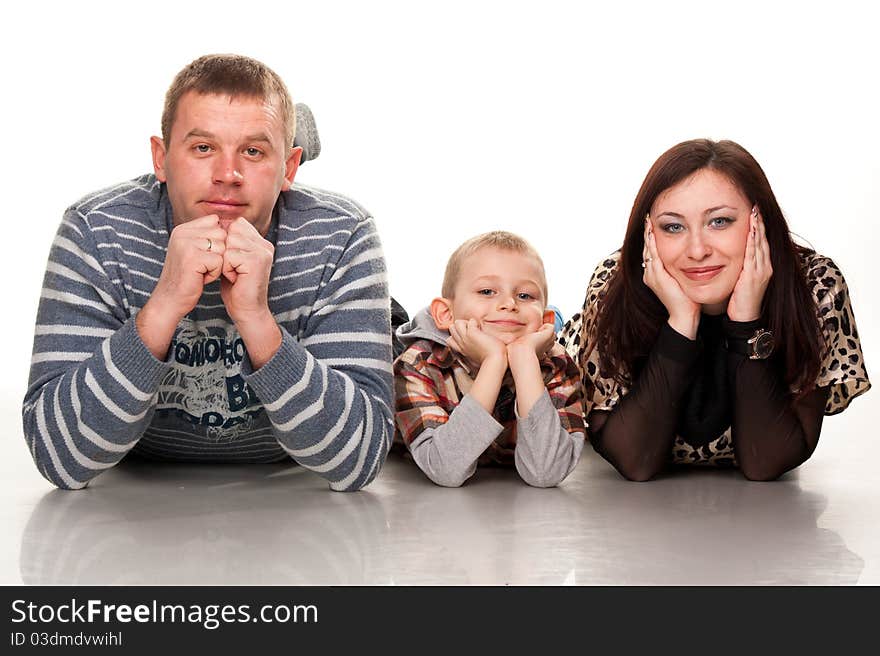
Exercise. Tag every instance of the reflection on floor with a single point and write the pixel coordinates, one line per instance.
(178, 524)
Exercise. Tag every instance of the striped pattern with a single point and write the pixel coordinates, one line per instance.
(96, 393)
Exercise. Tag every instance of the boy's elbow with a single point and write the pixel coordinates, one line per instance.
(543, 482)
(447, 479)
(538, 476)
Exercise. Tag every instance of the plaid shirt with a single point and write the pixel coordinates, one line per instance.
(430, 380)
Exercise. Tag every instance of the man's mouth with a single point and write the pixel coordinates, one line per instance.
(223, 203)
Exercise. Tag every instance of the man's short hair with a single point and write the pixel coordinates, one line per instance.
(232, 75)
(500, 239)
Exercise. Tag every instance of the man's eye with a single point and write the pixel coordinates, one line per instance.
(202, 148)
(253, 152)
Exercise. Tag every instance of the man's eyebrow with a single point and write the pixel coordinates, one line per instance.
(259, 136)
(198, 133)
(202, 134)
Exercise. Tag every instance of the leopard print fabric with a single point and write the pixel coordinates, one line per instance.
(843, 368)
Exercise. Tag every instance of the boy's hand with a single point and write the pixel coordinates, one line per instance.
(537, 343)
(468, 339)
(524, 355)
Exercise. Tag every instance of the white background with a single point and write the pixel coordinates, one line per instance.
(450, 119)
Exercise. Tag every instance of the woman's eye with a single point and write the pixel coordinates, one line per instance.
(672, 228)
(720, 221)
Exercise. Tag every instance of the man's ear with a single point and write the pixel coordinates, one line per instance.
(291, 166)
(549, 317)
(441, 312)
(158, 148)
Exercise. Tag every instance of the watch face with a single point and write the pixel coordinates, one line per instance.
(763, 345)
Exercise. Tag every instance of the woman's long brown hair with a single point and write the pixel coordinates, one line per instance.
(630, 315)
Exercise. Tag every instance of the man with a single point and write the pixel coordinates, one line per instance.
(211, 311)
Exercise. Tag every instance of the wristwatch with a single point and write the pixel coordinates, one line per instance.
(758, 347)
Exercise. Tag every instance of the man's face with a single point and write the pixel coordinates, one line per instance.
(227, 156)
(701, 226)
(503, 291)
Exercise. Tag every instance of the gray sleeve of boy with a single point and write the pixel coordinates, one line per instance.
(545, 451)
(448, 454)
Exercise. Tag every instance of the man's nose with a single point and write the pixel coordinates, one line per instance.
(228, 171)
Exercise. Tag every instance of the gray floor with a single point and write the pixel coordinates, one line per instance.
(180, 524)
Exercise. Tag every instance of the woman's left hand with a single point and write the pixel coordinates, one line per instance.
(745, 302)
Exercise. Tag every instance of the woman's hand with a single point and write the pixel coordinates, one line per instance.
(684, 314)
(745, 302)
(467, 338)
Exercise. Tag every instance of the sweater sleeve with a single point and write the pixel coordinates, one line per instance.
(328, 393)
(93, 383)
(771, 433)
(550, 439)
(448, 453)
(446, 445)
(636, 436)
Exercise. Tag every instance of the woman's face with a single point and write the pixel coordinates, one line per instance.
(700, 227)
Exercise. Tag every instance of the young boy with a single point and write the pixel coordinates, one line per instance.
(482, 380)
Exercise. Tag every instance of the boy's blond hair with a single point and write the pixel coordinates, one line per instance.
(500, 239)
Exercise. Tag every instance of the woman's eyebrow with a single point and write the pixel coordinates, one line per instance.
(720, 207)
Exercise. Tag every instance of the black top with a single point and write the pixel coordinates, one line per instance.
(697, 389)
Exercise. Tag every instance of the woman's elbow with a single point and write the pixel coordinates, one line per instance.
(636, 468)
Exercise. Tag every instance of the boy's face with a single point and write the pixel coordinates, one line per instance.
(503, 290)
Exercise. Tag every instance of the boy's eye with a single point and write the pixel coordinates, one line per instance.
(486, 292)
(525, 296)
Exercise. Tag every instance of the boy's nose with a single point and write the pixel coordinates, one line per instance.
(506, 302)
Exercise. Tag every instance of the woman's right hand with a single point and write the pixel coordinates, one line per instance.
(684, 314)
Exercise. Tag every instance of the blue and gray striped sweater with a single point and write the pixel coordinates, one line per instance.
(96, 392)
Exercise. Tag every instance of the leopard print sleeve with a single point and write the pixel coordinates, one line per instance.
(578, 338)
(843, 367)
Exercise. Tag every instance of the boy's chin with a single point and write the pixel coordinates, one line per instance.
(505, 336)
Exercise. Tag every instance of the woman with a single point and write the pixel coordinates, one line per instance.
(711, 337)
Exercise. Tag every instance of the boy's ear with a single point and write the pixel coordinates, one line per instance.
(441, 312)
(549, 317)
